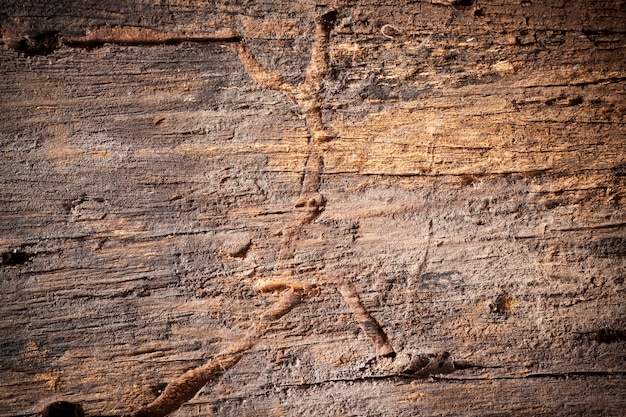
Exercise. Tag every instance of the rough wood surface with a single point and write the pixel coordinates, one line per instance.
(449, 189)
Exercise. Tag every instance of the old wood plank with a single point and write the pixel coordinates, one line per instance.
(474, 196)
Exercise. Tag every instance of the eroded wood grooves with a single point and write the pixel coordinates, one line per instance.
(188, 384)
(308, 206)
(294, 208)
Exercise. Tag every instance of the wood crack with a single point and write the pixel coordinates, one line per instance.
(442, 378)
(47, 42)
(543, 375)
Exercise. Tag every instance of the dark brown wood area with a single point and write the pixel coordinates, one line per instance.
(381, 208)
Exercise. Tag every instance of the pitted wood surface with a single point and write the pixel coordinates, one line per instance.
(472, 193)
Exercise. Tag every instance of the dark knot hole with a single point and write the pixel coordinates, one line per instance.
(63, 409)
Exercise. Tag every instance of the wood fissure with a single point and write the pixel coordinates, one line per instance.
(47, 42)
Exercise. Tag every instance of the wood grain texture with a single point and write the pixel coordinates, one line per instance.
(474, 193)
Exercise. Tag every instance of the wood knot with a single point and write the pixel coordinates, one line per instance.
(504, 303)
(328, 19)
(63, 409)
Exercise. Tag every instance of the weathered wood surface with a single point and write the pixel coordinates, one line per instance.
(474, 195)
